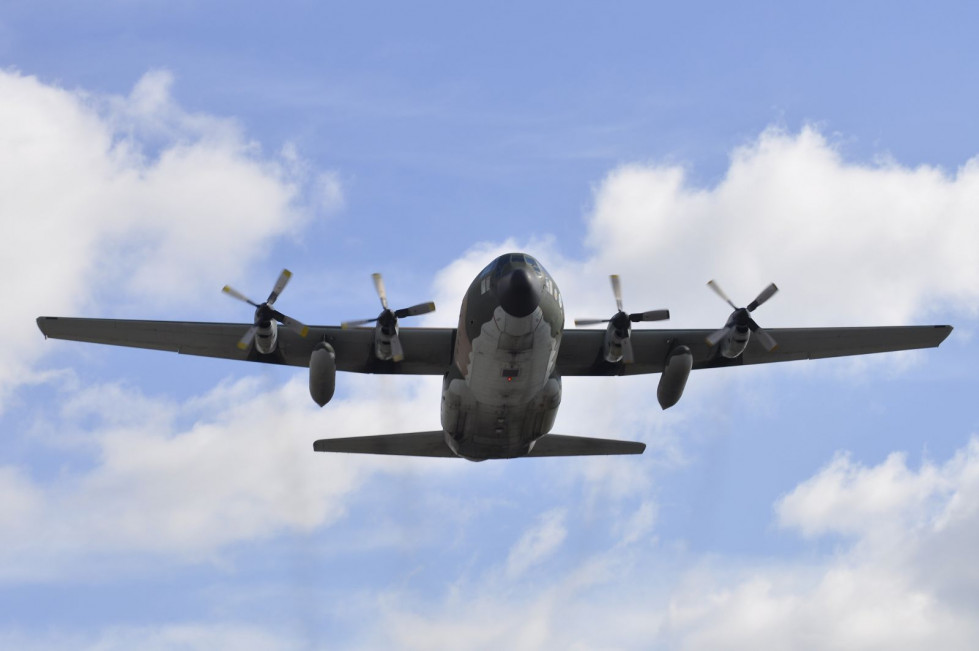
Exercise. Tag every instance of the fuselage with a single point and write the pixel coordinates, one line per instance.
(502, 393)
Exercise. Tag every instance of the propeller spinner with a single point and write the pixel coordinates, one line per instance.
(387, 321)
(621, 322)
(265, 313)
(741, 319)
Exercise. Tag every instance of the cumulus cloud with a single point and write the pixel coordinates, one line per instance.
(185, 480)
(904, 581)
(132, 198)
(156, 487)
(850, 499)
(847, 242)
(924, 522)
(906, 590)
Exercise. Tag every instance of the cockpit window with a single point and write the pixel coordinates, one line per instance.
(487, 270)
(533, 264)
(505, 262)
(499, 265)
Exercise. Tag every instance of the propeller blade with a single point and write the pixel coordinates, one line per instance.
(617, 290)
(381, 292)
(588, 322)
(280, 284)
(397, 352)
(354, 324)
(234, 293)
(766, 294)
(415, 310)
(627, 356)
(720, 292)
(715, 337)
(766, 340)
(246, 341)
(291, 323)
(652, 315)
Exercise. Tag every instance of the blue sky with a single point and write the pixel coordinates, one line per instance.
(152, 152)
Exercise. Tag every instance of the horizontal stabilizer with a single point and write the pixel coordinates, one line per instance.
(412, 444)
(432, 444)
(558, 445)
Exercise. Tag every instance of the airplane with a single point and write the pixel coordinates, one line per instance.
(502, 366)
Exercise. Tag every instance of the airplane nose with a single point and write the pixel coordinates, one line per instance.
(519, 292)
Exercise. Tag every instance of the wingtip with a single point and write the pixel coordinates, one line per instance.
(947, 331)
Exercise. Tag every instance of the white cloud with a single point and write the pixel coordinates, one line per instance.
(850, 499)
(125, 200)
(185, 480)
(903, 582)
(848, 243)
(911, 589)
(150, 115)
(537, 543)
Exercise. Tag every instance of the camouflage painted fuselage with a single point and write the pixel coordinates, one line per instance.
(501, 393)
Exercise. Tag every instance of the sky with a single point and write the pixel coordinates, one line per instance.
(151, 152)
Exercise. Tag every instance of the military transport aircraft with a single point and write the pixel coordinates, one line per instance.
(502, 367)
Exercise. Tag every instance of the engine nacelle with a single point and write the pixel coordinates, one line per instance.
(735, 341)
(266, 336)
(322, 373)
(384, 334)
(614, 338)
(674, 377)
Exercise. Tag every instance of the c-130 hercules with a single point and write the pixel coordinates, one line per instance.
(502, 366)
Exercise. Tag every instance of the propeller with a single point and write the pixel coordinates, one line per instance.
(265, 311)
(621, 320)
(388, 318)
(742, 317)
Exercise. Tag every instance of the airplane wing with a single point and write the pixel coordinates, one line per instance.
(427, 351)
(581, 351)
